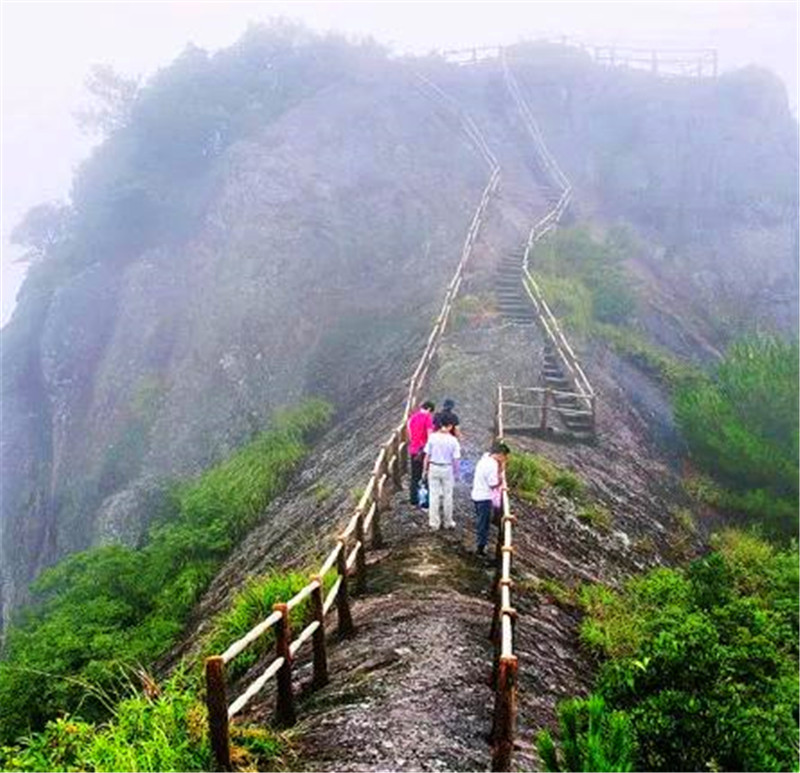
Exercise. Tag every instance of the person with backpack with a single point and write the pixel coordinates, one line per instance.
(487, 490)
(442, 455)
(420, 425)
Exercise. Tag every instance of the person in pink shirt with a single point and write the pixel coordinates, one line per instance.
(420, 425)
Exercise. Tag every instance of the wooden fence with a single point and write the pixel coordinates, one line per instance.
(664, 62)
(505, 665)
(347, 559)
(564, 352)
(529, 408)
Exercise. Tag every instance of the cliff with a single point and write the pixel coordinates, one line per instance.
(268, 222)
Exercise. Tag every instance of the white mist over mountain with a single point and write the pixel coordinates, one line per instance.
(48, 48)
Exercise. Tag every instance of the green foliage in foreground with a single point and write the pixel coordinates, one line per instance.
(742, 427)
(252, 605)
(163, 732)
(702, 664)
(591, 738)
(111, 607)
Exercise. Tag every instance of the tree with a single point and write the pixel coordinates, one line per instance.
(41, 229)
(113, 96)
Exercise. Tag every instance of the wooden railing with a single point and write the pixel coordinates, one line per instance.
(472, 131)
(697, 62)
(504, 671)
(348, 557)
(549, 222)
(524, 408)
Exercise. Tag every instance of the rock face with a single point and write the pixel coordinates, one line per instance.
(326, 241)
(326, 236)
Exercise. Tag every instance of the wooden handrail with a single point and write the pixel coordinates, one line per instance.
(254, 688)
(388, 468)
(302, 594)
(250, 637)
(502, 631)
(544, 225)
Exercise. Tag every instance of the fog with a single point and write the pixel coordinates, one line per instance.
(47, 49)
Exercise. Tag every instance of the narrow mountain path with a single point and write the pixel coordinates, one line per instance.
(410, 690)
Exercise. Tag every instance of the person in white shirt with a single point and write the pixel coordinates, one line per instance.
(442, 454)
(486, 487)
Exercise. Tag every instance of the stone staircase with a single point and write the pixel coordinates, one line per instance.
(579, 426)
(512, 300)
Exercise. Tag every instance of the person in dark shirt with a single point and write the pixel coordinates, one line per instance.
(447, 416)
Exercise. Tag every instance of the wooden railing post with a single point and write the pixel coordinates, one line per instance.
(404, 461)
(284, 706)
(543, 423)
(342, 602)
(497, 590)
(320, 678)
(377, 534)
(217, 702)
(396, 471)
(361, 557)
(505, 711)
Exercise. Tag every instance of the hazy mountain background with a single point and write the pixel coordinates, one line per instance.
(48, 49)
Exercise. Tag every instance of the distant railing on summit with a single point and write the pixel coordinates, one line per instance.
(664, 62)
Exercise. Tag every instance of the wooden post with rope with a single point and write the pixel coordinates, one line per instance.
(396, 471)
(284, 705)
(377, 534)
(546, 399)
(404, 460)
(505, 712)
(217, 703)
(342, 602)
(320, 678)
(361, 556)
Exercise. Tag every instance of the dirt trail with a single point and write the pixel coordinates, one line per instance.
(410, 691)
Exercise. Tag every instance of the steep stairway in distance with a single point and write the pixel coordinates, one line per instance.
(580, 425)
(512, 302)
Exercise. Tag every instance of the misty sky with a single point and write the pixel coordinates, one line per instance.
(48, 47)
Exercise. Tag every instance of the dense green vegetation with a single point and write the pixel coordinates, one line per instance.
(103, 610)
(699, 667)
(741, 424)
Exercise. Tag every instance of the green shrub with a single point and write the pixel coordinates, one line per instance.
(742, 426)
(703, 662)
(569, 485)
(569, 300)
(527, 474)
(101, 609)
(591, 738)
(250, 606)
(652, 359)
(584, 279)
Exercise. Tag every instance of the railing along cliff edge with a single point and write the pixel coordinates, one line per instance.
(505, 665)
(347, 558)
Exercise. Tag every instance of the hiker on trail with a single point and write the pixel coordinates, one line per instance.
(487, 490)
(442, 454)
(420, 425)
(447, 415)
